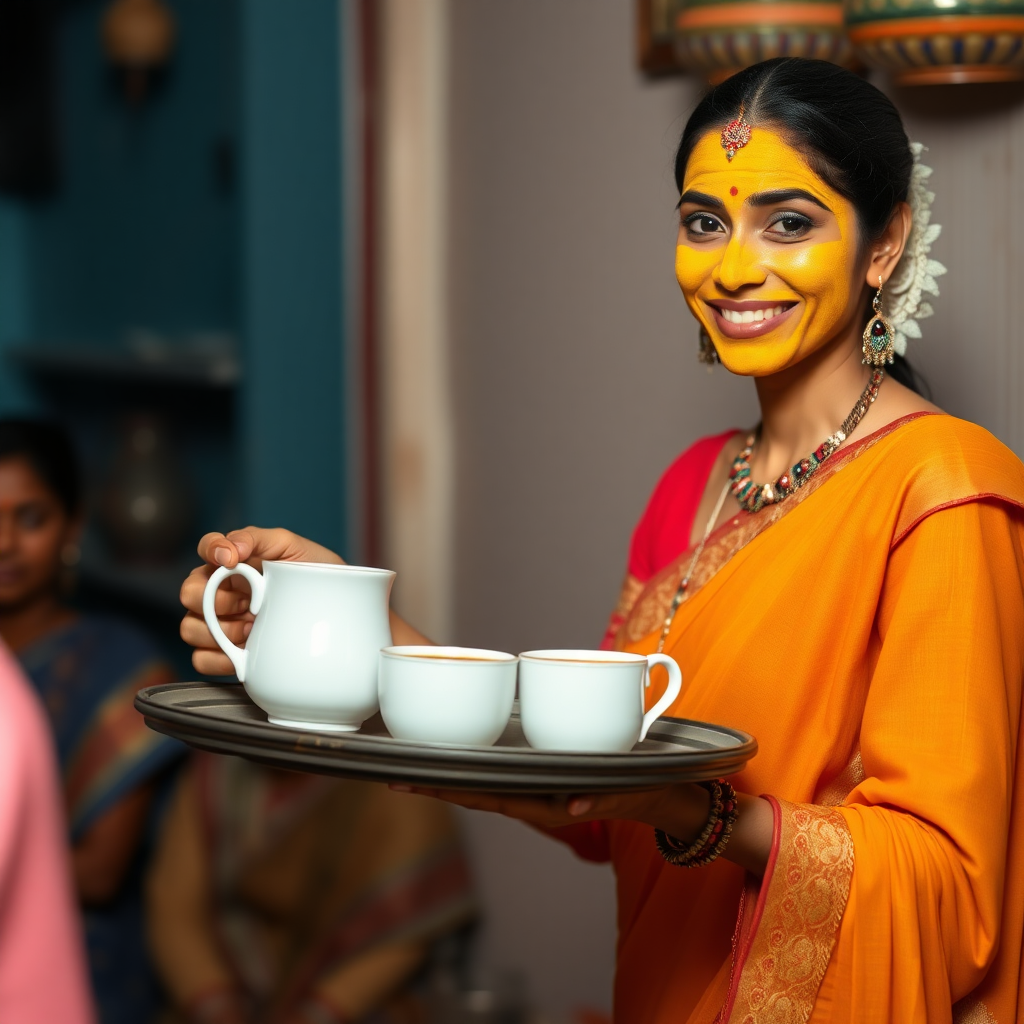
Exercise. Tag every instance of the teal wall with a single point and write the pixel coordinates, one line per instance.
(292, 266)
(145, 230)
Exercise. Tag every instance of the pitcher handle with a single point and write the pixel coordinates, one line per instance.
(238, 655)
(672, 691)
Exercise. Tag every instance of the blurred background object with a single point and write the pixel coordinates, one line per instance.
(940, 42)
(284, 897)
(716, 38)
(145, 501)
(917, 42)
(138, 36)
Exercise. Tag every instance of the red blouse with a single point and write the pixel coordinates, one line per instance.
(663, 532)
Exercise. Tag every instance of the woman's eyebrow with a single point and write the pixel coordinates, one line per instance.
(701, 199)
(784, 195)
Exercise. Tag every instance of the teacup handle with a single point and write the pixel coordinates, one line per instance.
(238, 655)
(675, 686)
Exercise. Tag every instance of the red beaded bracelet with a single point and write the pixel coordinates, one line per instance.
(713, 837)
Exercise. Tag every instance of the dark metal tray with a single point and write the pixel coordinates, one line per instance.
(222, 719)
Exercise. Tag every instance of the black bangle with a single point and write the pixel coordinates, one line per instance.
(713, 838)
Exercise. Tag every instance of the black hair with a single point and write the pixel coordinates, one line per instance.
(46, 446)
(849, 132)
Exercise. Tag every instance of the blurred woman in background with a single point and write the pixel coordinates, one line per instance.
(297, 899)
(86, 670)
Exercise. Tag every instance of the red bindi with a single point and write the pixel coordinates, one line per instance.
(734, 191)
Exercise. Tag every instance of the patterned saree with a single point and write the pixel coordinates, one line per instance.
(278, 886)
(869, 631)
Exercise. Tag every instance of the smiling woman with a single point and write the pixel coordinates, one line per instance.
(861, 611)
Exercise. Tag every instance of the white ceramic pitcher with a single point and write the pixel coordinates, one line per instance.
(311, 659)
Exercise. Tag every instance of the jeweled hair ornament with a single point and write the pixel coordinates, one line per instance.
(916, 271)
(735, 135)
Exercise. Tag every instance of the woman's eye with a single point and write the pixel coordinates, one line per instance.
(31, 517)
(791, 225)
(702, 224)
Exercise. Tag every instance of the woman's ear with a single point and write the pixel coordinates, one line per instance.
(887, 250)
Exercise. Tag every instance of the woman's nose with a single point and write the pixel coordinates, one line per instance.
(739, 267)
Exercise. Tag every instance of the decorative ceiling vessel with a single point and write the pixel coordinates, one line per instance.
(929, 42)
(717, 38)
(138, 36)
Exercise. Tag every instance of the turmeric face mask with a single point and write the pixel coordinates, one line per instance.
(767, 256)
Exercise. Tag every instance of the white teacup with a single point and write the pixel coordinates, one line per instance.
(455, 695)
(311, 659)
(590, 701)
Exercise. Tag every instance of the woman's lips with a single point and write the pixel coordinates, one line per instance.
(750, 318)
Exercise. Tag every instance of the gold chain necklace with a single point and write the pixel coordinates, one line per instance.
(685, 582)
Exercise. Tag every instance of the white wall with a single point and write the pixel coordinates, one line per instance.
(575, 379)
(575, 383)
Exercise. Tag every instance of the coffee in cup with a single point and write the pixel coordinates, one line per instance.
(590, 701)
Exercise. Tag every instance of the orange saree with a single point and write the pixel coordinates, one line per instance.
(869, 631)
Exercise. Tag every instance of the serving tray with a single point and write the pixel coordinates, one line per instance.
(222, 719)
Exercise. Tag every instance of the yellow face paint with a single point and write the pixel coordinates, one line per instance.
(739, 259)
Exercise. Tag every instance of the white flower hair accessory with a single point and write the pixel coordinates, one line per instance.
(916, 271)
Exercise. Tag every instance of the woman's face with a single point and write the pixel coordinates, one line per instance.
(34, 528)
(767, 255)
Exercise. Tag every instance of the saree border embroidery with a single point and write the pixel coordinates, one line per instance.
(972, 1011)
(835, 792)
(649, 608)
(795, 923)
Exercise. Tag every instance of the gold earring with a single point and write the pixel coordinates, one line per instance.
(879, 334)
(707, 354)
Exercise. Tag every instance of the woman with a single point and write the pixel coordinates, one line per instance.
(86, 670)
(859, 608)
(298, 899)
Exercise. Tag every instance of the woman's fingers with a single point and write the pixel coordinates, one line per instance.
(549, 811)
(256, 545)
(544, 811)
(212, 663)
(232, 597)
(195, 632)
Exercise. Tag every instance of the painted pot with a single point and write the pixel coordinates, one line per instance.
(720, 37)
(925, 42)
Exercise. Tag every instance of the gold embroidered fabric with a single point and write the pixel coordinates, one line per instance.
(834, 793)
(972, 1011)
(632, 588)
(810, 881)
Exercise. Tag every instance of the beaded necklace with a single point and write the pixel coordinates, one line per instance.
(753, 497)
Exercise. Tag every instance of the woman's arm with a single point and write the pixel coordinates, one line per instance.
(681, 811)
(253, 545)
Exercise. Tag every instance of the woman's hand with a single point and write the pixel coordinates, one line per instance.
(252, 545)
(680, 810)
(255, 546)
